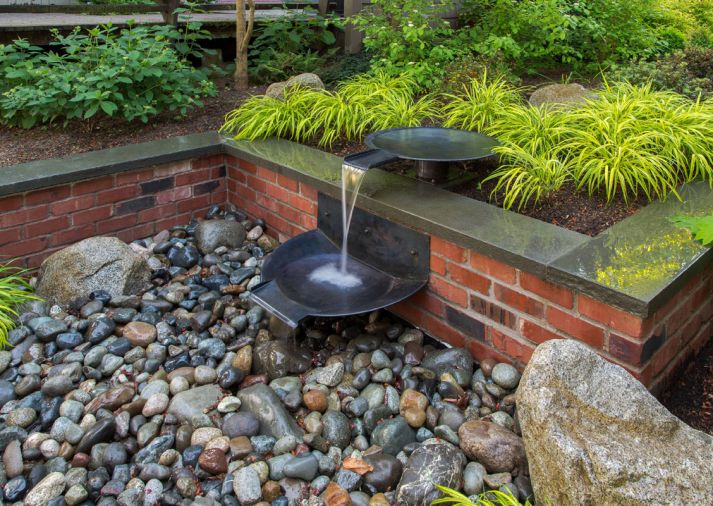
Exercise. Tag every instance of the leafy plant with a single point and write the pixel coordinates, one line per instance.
(14, 290)
(291, 45)
(492, 498)
(525, 176)
(480, 104)
(133, 73)
(409, 36)
(396, 111)
(537, 130)
(701, 227)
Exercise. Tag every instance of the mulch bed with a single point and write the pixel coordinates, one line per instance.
(19, 146)
(567, 208)
(690, 398)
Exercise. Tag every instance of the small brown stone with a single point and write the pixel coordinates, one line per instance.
(315, 400)
(253, 380)
(80, 460)
(487, 366)
(186, 372)
(66, 450)
(335, 495)
(414, 417)
(111, 399)
(413, 400)
(244, 359)
(413, 353)
(213, 461)
(270, 490)
(134, 407)
(140, 333)
(378, 500)
(240, 447)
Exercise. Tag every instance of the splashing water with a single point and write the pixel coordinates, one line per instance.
(333, 275)
(353, 177)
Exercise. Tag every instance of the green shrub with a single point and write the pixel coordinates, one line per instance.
(409, 36)
(132, 73)
(547, 32)
(290, 45)
(688, 72)
(14, 291)
(479, 105)
(537, 130)
(346, 67)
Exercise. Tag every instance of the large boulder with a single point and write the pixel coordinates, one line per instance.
(97, 263)
(561, 95)
(594, 435)
(306, 80)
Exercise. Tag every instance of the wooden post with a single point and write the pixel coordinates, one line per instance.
(323, 4)
(352, 37)
(169, 16)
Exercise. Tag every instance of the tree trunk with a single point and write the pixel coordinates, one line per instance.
(243, 33)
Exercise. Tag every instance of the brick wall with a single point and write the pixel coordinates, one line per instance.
(471, 300)
(130, 205)
(496, 310)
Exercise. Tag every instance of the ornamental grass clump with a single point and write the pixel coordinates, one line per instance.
(14, 291)
(491, 498)
(481, 103)
(633, 140)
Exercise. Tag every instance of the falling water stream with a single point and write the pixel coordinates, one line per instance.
(332, 273)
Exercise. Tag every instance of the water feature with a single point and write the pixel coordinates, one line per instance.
(340, 275)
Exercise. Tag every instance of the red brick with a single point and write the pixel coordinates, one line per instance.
(452, 293)
(196, 176)
(438, 265)
(34, 261)
(8, 235)
(288, 183)
(267, 174)
(11, 203)
(447, 249)
(308, 192)
(264, 201)
(174, 168)
(279, 193)
(247, 193)
(207, 161)
(492, 267)
(257, 184)
(557, 294)
(519, 351)
(47, 196)
(236, 174)
(117, 223)
(289, 213)
(247, 166)
(23, 216)
(481, 351)
(303, 204)
(157, 212)
(92, 185)
(493, 311)
(72, 205)
(625, 350)
(536, 333)
(276, 222)
(308, 222)
(469, 278)
(133, 233)
(426, 300)
(575, 327)
(133, 177)
(47, 226)
(219, 197)
(432, 325)
(174, 195)
(519, 301)
(612, 317)
(117, 194)
(21, 249)
(91, 215)
(72, 235)
(194, 203)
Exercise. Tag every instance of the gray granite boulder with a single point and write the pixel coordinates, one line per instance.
(595, 435)
(561, 95)
(190, 403)
(275, 420)
(306, 80)
(211, 234)
(97, 263)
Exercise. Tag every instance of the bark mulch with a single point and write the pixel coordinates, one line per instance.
(690, 398)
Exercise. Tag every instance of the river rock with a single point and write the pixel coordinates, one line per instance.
(50, 487)
(189, 403)
(386, 473)
(279, 358)
(497, 448)
(97, 263)
(392, 435)
(442, 361)
(246, 486)
(275, 421)
(211, 234)
(595, 435)
(432, 462)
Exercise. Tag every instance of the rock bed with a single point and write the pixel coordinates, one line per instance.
(188, 394)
